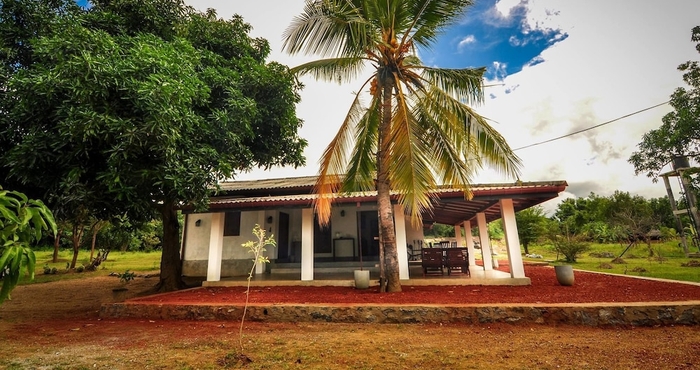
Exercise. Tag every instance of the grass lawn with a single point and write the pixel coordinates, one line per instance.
(117, 262)
(666, 262)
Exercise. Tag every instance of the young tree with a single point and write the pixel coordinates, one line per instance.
(417, 131)
(146, 105)
(22, 221)
(530, 225)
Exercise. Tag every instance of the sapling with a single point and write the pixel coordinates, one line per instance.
(257, 248)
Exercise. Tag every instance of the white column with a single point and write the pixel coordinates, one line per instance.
(401, 249)
(470, 242)
(216, 246)
(458, 236)
(484, 241)
(307, 244)
(510, 228)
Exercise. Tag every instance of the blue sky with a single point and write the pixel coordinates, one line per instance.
(554, 67)
(504, 44)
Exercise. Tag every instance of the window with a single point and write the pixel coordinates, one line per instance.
(232, 224)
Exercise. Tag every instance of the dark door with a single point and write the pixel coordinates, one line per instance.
(283, 237)
(322, 238)
(368, 233)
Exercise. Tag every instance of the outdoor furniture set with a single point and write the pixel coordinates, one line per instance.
(439, 259)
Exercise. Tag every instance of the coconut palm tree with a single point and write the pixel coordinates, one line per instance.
(417, 130)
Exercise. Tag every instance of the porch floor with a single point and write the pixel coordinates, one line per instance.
(343, 276)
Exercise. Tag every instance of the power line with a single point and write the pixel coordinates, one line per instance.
(592, 127)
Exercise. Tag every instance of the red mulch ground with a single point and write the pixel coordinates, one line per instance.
(588, 287)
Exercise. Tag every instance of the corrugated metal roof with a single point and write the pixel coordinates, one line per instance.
(265, 184)
(450, 206)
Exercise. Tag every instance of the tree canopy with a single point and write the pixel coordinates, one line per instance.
(138, 107)
(679, 133)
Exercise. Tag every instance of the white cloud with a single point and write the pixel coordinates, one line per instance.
(467, 40)
(620, 57)
(503, 7)
(514, 41)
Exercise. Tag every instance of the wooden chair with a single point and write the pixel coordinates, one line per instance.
(457, 259)
(414, 253)
(432, 260)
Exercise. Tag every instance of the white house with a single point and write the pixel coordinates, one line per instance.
(212, 240)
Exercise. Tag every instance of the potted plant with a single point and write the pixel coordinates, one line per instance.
(565, 274)
(570, 246)
(361, 276)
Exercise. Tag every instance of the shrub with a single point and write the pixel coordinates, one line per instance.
(126, 276)
(571, 246)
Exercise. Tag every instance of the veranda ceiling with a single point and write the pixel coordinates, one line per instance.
(450, 207)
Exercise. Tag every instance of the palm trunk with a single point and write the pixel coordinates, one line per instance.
(170, 262)
(387, 247)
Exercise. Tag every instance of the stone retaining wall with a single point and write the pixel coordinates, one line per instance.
(627, 314)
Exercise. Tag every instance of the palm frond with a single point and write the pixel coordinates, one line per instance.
(410, 167)
(334, 160)
(465, 85)
(328, 27)
(432, 16)
(456, 117)
(363, 164)
(333, 70)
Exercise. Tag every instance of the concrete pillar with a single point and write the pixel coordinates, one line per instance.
(458, 236)
(470, 242)
(484, 241)
(510, 228)
(401, 249)
(307, 244)
(216, 246)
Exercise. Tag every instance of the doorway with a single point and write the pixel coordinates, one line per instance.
(368, 234)
(283, 251)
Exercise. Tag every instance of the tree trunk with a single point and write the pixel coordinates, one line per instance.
(95, 229)
(526, 249)
(56, 245)
(77, 236)
(170, 262)
(390, 281)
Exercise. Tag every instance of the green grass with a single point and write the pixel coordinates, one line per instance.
(665, 263)
(116, 262)
(635, 259)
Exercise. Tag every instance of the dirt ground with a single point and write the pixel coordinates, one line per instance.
(589, 287)
(56, 326)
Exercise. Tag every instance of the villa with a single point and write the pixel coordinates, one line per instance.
(212, 240)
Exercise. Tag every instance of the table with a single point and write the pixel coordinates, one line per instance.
(344, 247)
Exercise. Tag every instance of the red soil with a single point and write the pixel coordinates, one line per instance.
(588, 287)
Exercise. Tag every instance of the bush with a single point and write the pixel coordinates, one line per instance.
(570, 246)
